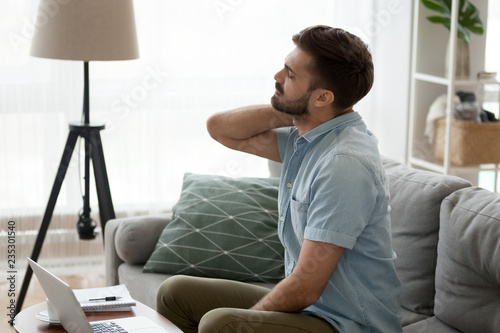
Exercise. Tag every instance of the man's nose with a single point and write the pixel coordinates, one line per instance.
(279, 76)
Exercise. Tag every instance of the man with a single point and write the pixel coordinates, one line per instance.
(333, 204)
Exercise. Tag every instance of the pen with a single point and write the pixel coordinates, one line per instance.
(105, 299)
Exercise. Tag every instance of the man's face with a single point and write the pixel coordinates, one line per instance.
(292, 85)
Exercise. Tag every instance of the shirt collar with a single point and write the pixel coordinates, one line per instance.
(330, 125)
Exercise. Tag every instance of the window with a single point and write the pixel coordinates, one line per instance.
(196, 58)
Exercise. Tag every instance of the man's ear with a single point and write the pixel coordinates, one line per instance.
(324, 98)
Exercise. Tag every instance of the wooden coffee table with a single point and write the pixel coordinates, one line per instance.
(26, 322)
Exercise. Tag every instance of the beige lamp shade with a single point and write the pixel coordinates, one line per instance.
(85, 30)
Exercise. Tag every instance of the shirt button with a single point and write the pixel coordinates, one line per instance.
(282, 218)
(289, 185)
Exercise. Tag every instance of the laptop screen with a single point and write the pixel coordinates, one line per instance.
(62, 299)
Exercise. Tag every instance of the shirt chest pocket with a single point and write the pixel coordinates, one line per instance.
(298, 214)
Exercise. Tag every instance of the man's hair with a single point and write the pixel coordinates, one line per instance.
(341, 63)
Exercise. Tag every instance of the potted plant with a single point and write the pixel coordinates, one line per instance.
(468, 21)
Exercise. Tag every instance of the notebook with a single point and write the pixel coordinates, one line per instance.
(124, 303)
(70, 312)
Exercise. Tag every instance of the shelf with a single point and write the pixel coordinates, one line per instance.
(445, 81)
(439, 168)
(431, 78)
(427, 164)
(433, 50)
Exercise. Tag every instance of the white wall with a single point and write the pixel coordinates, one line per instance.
(392, 49)
(386, 26)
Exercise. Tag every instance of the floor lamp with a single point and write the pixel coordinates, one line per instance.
(82, 30)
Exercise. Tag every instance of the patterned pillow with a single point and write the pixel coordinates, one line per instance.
(222, 227)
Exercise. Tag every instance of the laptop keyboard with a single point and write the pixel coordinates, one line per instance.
(106, 327)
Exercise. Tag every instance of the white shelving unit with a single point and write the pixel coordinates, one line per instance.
(428, 81)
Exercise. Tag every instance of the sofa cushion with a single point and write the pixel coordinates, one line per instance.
(409, 317)
(416, 198)
(222, 227)
(431, 325)
(143, 287)
(468, 270)
(131, 233)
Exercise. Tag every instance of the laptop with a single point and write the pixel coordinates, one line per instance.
(71, 315)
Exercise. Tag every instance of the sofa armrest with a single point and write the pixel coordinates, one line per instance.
(111, 259)
(130, 240)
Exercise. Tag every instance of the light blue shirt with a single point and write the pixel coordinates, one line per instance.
(333, 189)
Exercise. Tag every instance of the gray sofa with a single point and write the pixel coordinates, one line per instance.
(445, 232)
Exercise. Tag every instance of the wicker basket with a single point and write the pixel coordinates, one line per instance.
(471, 143)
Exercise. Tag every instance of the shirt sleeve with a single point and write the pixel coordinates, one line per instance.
(343, 197)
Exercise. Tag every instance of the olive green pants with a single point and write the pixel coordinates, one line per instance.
(216, 305)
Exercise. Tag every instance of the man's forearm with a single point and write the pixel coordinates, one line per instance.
(289, 295)
(250, 130)
(317, 262)
(246, 122)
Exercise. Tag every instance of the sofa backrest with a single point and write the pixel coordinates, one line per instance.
(416, 197)
(468, 270)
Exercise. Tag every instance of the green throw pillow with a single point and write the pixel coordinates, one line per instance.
(224, 228)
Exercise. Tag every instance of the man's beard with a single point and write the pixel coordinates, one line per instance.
(295, 107)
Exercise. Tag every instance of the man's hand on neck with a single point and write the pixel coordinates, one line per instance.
(250, 129)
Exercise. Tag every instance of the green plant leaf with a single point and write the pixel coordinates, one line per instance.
(468, 17)
(437, 6)
(461, 5)
(440, 20)
(447, 3)
(463, 34)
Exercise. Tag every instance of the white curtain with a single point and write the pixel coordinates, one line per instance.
(196, 57)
